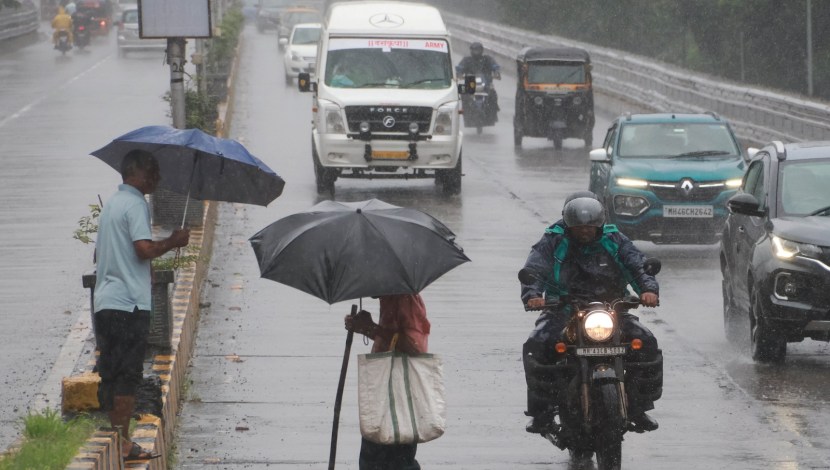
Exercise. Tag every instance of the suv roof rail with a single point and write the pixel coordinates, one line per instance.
(713, 114)
(780, 149)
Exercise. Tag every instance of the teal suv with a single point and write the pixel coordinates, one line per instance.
(666, 178)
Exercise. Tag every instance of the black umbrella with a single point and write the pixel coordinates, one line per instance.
(347, 250)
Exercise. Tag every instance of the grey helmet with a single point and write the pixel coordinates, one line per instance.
(583, 211)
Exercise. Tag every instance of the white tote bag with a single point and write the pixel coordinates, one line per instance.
(400, 397)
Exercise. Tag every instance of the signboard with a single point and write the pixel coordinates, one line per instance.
(174, 19)
(387, 44)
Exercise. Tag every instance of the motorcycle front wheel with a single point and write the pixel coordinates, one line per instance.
(611, 424)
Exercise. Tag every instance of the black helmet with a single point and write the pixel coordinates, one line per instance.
(476, 49)
(583, 211)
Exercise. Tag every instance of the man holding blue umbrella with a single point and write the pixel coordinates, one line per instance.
(122, 299)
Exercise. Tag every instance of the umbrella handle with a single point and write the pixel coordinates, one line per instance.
(339, 398)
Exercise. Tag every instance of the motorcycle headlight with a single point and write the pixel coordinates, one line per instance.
(599, 325)
(786, 249)
(577, 100)
(538, 101)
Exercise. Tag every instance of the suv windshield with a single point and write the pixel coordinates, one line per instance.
(802, 186)
(388, 63)
(677, 139)
(556, 72)
(306, 36)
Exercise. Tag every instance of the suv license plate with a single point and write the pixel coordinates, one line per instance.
(601, 351)
(698, 212)
(390, 155)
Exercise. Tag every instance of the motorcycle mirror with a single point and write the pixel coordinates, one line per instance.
(527, 276)
(469, 84)
(652, 266)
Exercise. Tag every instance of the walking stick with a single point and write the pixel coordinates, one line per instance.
(339, 399)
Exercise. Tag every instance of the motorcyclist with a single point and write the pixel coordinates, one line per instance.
(477, 63)
(61, 22)
(583, 257)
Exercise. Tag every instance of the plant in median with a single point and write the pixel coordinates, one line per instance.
(49, 441)
(88, 227)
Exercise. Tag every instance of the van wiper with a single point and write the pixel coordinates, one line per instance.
(378, 85)
(701, 153)
(418, 82)
(823, 210)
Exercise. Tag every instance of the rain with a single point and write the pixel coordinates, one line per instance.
(262, 381)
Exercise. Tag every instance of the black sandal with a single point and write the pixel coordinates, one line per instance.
(139, 453)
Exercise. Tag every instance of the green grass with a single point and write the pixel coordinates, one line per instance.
(49, 441)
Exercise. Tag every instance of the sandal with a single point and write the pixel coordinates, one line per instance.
(139, 453)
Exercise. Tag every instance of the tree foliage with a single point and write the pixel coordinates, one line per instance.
(759, 42)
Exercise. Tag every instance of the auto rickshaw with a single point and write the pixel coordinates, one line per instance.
(554, 96)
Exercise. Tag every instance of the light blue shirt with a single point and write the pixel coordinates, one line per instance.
(122, 278)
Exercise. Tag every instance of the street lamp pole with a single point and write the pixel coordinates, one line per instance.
(810, 47)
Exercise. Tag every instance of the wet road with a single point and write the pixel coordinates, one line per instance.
(267, 358)
(53, 111)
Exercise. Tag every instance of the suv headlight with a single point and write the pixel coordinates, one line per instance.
(443, 120)
(599, 325)
(787, 249)
(734, 183)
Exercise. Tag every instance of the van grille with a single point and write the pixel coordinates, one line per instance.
(380, 118)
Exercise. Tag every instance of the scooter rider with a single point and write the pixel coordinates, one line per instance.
(61, 22)
(584, 257)
(477, 63)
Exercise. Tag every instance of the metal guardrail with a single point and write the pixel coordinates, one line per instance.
(19, 23)
(757, 115)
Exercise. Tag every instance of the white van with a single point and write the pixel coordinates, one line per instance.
(386, 104)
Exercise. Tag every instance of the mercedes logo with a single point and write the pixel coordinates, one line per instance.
(386, 20)
(388, 122)
(686, 186)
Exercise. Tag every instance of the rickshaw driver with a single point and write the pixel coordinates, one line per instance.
(477, 63)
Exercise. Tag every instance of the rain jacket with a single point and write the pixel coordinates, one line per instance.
(601, 270)
(62, 20)
(406, 315)
(484, 65)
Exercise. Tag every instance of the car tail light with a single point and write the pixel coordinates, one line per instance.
(103, 23)
(81, 28)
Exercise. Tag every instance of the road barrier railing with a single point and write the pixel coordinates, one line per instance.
(757, 115)
(18, 23)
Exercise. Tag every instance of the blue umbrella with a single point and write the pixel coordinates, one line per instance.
(199, 165)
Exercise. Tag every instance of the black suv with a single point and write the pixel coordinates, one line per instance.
(775, 250)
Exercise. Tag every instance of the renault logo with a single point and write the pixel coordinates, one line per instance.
(386, 20)
(686, 186)
(388, 122)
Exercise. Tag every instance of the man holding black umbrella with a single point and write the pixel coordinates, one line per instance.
(122, 300)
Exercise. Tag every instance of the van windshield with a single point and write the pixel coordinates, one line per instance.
(556, 72)
(388, 63)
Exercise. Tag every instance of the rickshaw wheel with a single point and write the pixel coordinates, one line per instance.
(517, 136)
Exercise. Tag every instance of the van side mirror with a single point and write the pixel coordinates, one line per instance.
(599, 155)
(750, 152)
(304, 82)
(746, 204)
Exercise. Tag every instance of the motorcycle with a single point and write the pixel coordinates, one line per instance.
(479, 110)
(590, 382)
(63, 43)
(81, 36)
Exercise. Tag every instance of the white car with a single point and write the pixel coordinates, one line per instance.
(300, 50)
(128, 39)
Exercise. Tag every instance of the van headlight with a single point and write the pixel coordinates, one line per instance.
(334, 120)
(786, 249)
(443, 120)
(599, 325)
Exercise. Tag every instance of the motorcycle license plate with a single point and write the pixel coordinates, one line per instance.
(390, 155)
(699, 212)
(601, 351)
